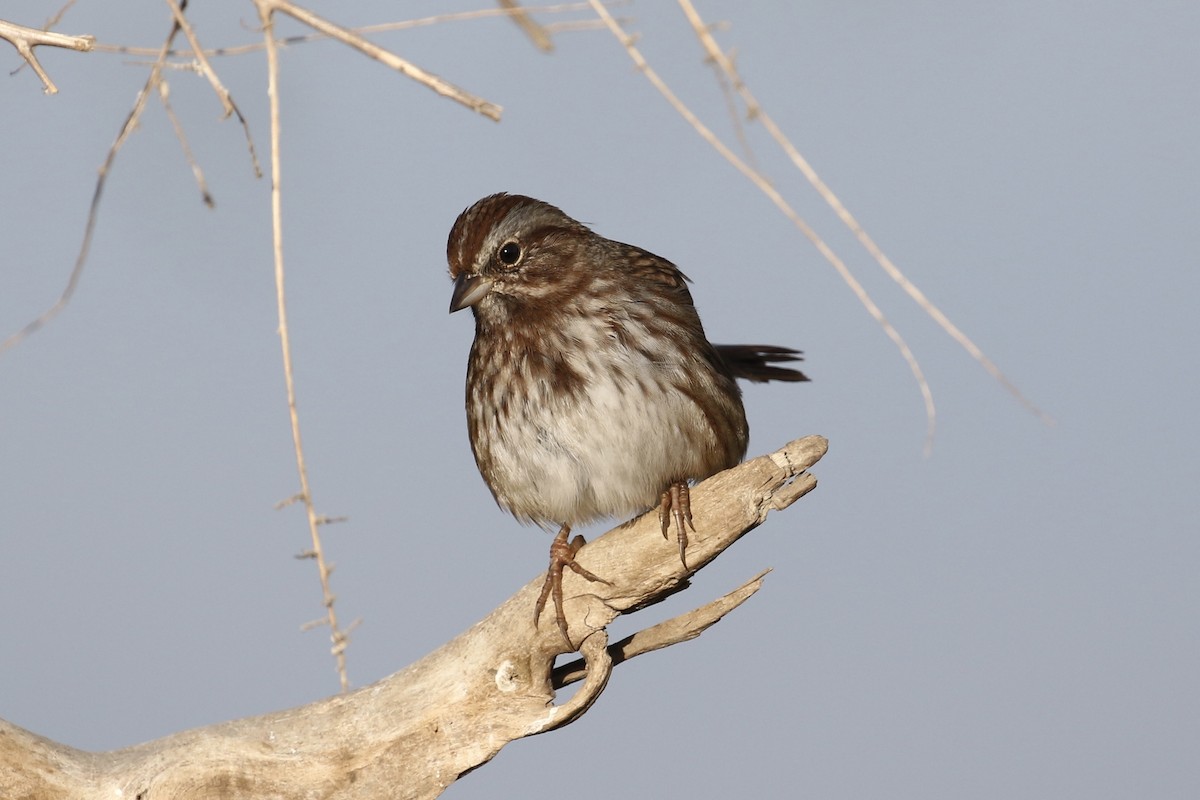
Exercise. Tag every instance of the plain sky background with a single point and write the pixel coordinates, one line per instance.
(1017, 615)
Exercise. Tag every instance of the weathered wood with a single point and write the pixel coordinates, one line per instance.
(414, 733)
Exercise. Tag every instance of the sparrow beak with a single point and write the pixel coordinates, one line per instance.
(468, 290)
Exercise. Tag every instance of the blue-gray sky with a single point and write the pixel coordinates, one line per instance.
(1017, 615)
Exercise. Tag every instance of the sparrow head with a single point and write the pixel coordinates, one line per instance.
(513, 250)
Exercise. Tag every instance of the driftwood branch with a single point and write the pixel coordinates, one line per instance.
(414, 733)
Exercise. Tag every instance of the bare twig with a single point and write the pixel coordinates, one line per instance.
(338, 637)
(208, 72)
(773, 194)
(739, 129)
(579, 25)
(383, 27)
(755, 112)
(164, 94)
(127, 128)
(25, 39)
(57, 16)
(347, 37)
(536, 33)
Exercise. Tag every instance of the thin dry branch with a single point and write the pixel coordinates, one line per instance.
(164, 95)
(536, 33)
(755, 111)
(210, 74)
(57, 16)
(25, 39)
(775, 197)
(415, 732)
(735, 117)
(267, 8)
(338, 637)
(382, 27)
(130, 124)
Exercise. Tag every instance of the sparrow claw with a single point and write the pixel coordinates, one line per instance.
(562, 554)
(676, 504)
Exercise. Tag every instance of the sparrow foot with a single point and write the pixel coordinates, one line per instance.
(562, 554)
(676, 504)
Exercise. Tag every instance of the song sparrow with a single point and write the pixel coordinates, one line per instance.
(591, 389)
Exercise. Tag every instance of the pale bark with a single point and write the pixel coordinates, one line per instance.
(414, 733)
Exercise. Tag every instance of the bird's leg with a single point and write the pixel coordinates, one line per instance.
(676, 504)
(562, 554)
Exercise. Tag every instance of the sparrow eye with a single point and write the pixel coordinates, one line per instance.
(509, 253)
